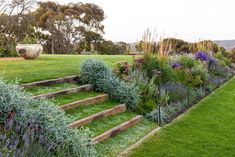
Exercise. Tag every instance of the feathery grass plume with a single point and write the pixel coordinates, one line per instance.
(148, 39)
(164, 47)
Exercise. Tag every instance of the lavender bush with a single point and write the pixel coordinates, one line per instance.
(53, 135)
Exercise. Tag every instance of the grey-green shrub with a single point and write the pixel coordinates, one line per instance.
(120, 91)
(103, 80)
(49, 117)
(93, 70)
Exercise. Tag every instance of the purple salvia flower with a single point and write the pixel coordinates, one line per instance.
(202, 56)
(176, 65)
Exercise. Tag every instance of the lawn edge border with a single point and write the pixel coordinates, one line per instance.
(126, 151)
(129, 149)
(182, 115)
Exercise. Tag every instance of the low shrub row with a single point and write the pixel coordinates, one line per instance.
(98, 74)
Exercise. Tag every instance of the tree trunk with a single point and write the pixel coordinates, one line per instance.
(52, 46)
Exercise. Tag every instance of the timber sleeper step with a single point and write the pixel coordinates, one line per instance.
(105, 113)
(87, 101)
(114, 131)
(69, 79)
(83, 88)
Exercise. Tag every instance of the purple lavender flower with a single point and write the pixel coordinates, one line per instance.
(202, 56)
(141, 60)
(176, 65)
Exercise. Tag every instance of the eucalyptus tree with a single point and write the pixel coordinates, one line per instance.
(15, 22)
(66, 25)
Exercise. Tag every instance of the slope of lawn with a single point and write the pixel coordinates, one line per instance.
(207, 130)
(52, 66)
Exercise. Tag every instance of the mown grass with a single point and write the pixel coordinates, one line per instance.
(114, 145)
(68, 98)
(207, 130)
(83, 111)
(48, 89)
(52, 66)
(99, 126)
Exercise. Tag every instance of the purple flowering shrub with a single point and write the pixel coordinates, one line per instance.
(201, 56)
(16, 140)
(122, 69)
(30, 124)
(176, 65)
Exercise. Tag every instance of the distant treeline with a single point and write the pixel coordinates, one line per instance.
(61, 29)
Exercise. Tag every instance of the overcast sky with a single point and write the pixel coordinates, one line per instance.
(191, 20)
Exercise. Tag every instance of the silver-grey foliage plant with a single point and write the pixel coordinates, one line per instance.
(98, 74)
(52, 121)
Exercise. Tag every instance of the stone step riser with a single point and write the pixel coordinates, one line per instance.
(88, 101)
(84, 88)
(105, 113)
(114, 131)
(69, 79)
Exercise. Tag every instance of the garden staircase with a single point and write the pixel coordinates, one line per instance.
(84, 107)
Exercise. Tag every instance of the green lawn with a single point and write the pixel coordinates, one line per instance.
(68, 98)
(113, 146)
(53, 88)
(52, 66)
(207, 130)
(86, 110)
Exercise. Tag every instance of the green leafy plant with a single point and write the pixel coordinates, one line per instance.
(148, 89)
(187, 62)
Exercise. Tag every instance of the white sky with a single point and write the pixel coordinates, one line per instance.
(190, 20)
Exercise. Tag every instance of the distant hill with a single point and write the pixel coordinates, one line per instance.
(227, 44)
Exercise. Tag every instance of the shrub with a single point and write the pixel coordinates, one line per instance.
(187, 62)
(200, 72)
(92, 71)
(120, 91)
(201, 56)
(103, 80)
(44, 114)
(148, 90)
(176, 91)
(222, 59)
(216, 69)
(121, 69)
(150, 64)
(232, 55)
(11, 144)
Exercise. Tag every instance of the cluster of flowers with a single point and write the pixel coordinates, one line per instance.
(17, 145)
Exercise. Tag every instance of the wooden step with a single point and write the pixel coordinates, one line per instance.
(87, 101)
(114, 131)
(69, 79)
(83, 88)
(105, 113)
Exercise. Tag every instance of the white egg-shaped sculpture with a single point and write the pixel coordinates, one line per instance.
(29, 51)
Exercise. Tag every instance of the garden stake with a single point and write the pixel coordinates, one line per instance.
(159, 116)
